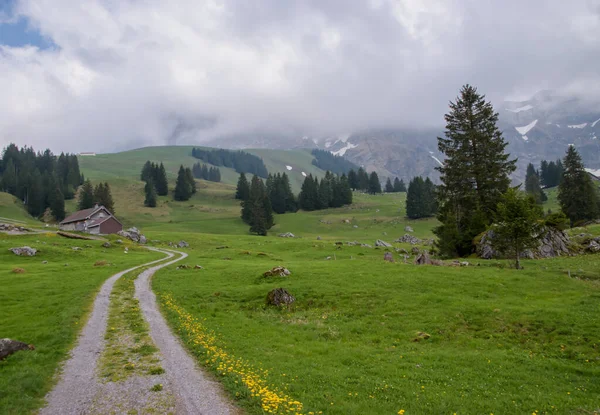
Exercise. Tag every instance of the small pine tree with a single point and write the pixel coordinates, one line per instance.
(399, 186)
(517, 225)
(257, 211)
(86, 196)
(150, 191)
(160, 181)
(147, 171)
(190, 178)
(352, 180)
(532, 185)
(577, 195)
(374, 184)
(183, 189)
(389, 187)
(242, 191)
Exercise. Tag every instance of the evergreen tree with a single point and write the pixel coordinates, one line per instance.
(399, 185)
(532, 185)
(190, 178)
(56, 201)
(577, 195)
(160, 181)
(243, 188)
(389, 187)
(307, 200)
(517, 225)
(150, 191)
(103, 197)
(345, 190)
(353, 179)
(430, 196)
(183, 189)
(363, 179)
(374, 184)
(147, 172)
(475, 174)
(35, 201)
(415, 199)
(9, 178)
(86, 196)
(290, 200)
(257, 211)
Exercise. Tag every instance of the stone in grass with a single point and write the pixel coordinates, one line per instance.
(106, 245)
(24, 251)
(383, 244)
(408, 229)
(277, 272)
(183, 244)
(421, 335)
(18, 270)
(388, 257)
(287, 235)
(280, 297)
(9, 346)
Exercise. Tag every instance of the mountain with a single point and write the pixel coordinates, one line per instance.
(536, 129)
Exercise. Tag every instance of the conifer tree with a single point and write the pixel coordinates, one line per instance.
(577, 195)
(399, 185)
(257, 211)
(363, 179)
(160, 181)
(389, 187)
(345, 190)
(35, 201)
(86, 196)
(242, 191)
(56, 201)
(415, 199)
(290, 200)
(352, 180)
(532, 185)
(374, 183)
(183, 189)
(517, 225)
(150, 191)
(147, 171)
(307, 200)
(9, 178)
(475, 174)
(190, 178)
(103, 197)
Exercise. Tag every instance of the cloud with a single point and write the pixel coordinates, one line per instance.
(124, 73)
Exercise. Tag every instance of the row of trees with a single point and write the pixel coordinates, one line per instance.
(327, 161)
(551, 173)
(202, 171)
(331, 192)
(89, 196)
(156, 175)
(361, 180)
(41, 180)
(397, 187)
(421, 199)
(257, 210)
(241, 161)
(185, 186)
(533, 186)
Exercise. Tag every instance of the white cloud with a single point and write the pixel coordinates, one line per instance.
(127, 72)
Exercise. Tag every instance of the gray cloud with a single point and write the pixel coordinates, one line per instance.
(128, 72)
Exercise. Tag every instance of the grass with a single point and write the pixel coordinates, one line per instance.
(12, 211)
(129, 348)
(46, 306)
(502, 341)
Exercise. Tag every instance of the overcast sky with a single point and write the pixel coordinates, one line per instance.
(100, 75)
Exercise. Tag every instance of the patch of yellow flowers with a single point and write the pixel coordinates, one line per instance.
(272, 400)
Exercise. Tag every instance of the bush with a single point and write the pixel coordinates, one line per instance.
(557, 220)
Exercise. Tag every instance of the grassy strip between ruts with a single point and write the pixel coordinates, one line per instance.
(250, 383)
(129, 349)
(47, 305)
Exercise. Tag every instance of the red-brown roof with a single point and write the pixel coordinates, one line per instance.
(83, 214)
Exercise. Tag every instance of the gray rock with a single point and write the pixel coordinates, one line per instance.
(415, 250)
(593, 246)
(381, 243)
(366, 246)
(388, 257)
(318, 238)
(76, 248)
(143, 239)
(106, 245)
(280, 297)
(119, 241)
(44, 262)
(408, 229)
(24, 251)
(552, 243)
(9, 346)
(413, 240)
(287, 235)
(183, 244)
(277, 272)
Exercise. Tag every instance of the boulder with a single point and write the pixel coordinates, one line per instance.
(415, 250)
(318, 238)
(183, 244)
(402, 251)
(76, 248)
(24, 251)
(413, 240)
(9, 346)
(277, 272)
(280, 297)
(388, 257)
(552, 243)
(355, 226)
(119, 241)
(287, 235)
(424, 259)
(383, 244)
(143, 239)
(198, 267)
(133, 234)
(408, 229)
(593, 246)
(106, 245)
(366, 246)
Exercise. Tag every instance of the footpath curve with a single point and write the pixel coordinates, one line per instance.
(194, 392)
(78, 382)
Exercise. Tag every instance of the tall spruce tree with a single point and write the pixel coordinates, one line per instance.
(475, 174)
(150, 192)
(86, 196)
(389, 187)
(399, 185)
(56, 200)
(577, 195)
(190, 178)
(307, 200)
(242, 191)
(257, 211)
(352, 180)
(160, 181)
(183, 189)
(363, 179)
(147, 171)
(37, 195)
(374, 186)
(532, 185)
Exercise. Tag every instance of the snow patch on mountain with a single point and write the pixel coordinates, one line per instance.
(304, 174)
(578, 125)
(524, 108)
(595, 122)
(437, 159)
(343, 150)
(327, 144)
(525, 137)
(288, 167)
(525, 129)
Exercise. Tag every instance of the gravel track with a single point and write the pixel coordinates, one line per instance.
(78, 384)
(194, 392)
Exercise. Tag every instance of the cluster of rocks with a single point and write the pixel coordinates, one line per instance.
(280, 297)
(24, 251)
(185, 266)
(277, 272)
(133, 234)
(7, 227)
(326, 222)
(408, 229)
(553, 243)
(287, 235)
(413, 240)
(180, 244)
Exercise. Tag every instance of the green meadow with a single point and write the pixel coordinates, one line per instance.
(364, 336)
